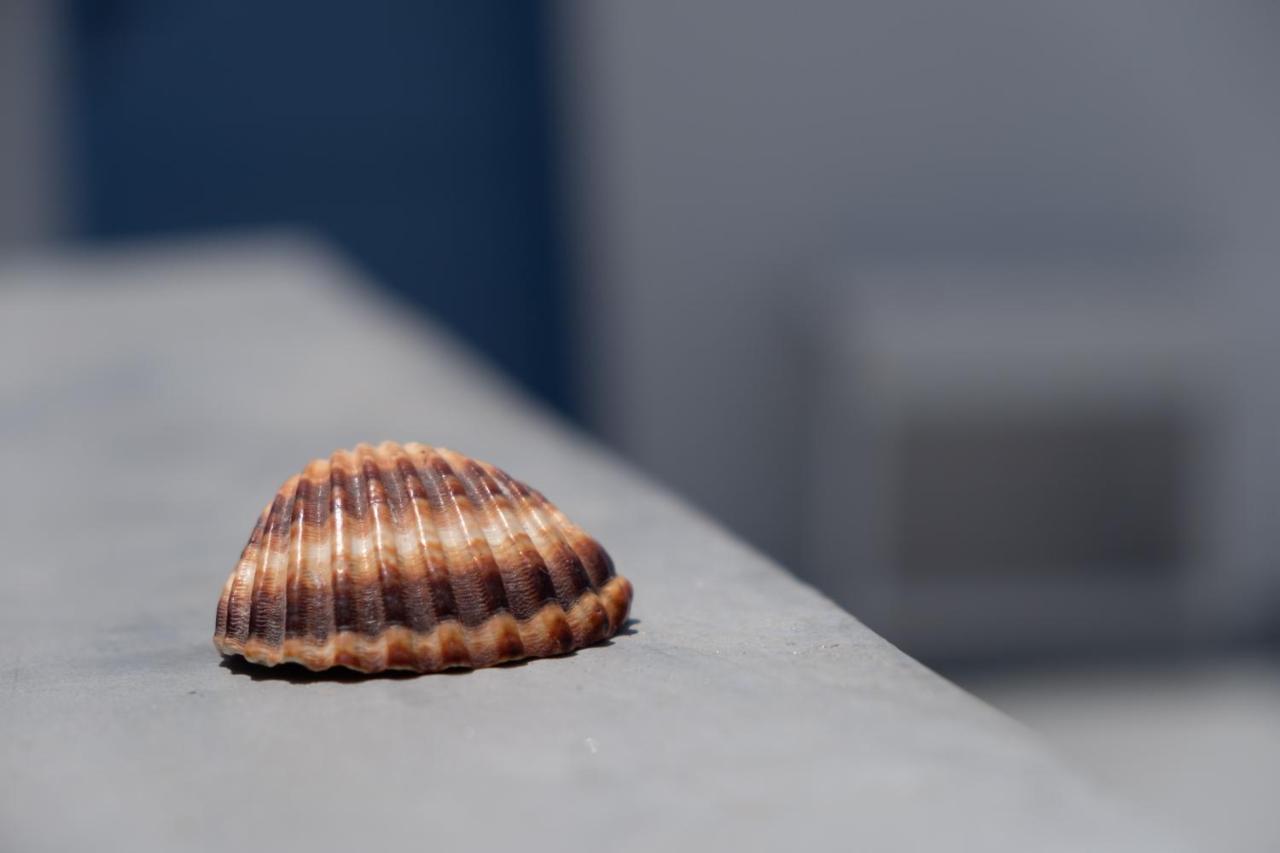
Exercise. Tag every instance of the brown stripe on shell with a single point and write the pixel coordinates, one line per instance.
(568, 575)
(315, 552)
(339, 534)
(308, 608)
(310, 595)
(381, 540)
(593, 558)
(267, 615)
(472, 505)
(248, 562)
(437, 591)
(240, 598)
(414, 593)
(524, 571)
(477, 592)
(414, 558)
(356, 562)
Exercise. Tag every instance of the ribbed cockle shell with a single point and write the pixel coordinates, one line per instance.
(415, 558)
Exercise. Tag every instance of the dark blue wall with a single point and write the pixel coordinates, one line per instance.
(417, 135)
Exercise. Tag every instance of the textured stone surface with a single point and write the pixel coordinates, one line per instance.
(150, 403)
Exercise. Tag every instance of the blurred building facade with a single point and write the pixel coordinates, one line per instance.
(862, 280)
(742, 165)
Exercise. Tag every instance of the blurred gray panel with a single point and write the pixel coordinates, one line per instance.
(726, 153)
(1017, 459)
(32, 165)
(1080, 494)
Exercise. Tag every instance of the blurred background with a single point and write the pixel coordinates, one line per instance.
(967, 314)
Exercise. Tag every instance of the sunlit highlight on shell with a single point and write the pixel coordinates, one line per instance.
(414, 558)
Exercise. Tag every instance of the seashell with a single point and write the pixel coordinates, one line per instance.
(415, 558)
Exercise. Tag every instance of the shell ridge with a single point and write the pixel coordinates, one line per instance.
(370, 481)
(368, 589)
(222, 620)
(387, 516)
(246, 566)
(289, 569)
(432, 600)
(507, 642)
(575, 573)
(322, 553)
(311, 569)
(574, 536)
(377, 550)
(370, 614)
(403, 599)
(344, 571)
(454, 651)
(408, 587)
(263, 625)
(339, 563)
(444, 514)
(293, 569)
(477, 507)
(490, 638)
(336, 542)
(588, 618)
(249, 579)
(530, 560)
(543, 625)
(294, 611)
(493, 595)
(280, 559)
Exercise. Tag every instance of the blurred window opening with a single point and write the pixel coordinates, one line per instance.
(1094, 494)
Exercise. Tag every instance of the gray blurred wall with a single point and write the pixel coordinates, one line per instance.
(32, 181)
(727, 154)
